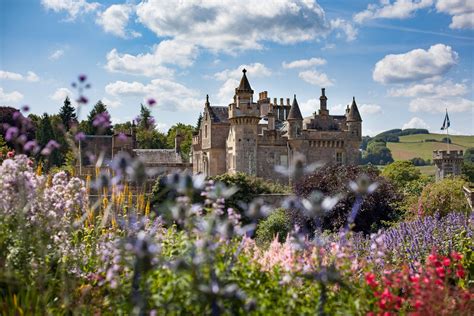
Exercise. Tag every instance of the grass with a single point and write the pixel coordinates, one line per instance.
(412, 146)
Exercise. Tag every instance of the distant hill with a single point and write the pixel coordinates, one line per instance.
(411, 146)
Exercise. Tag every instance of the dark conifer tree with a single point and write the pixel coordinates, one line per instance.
(67, 113)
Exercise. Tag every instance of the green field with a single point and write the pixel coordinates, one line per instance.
(412, 146)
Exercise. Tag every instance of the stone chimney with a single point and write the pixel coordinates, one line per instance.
(177, 142)
(323, 106)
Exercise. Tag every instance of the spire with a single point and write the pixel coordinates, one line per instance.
(207, 100)
(354, 115)
(323, 100)
(244, 85)
(295, 112)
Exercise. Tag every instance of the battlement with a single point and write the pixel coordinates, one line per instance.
(444, 154)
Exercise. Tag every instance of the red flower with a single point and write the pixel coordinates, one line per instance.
(10, 154)
(440, 271)
(460, 272)
(370, 279)
(456, 256)
(446, 262)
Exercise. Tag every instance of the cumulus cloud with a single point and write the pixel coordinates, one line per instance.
(169, 95)
(232, 25)
(444, 89)
(439, 105)
(462, 12)
(370, 109)
(167, 52)
(231, 78)
(30, 76)
(316, 78)
(60, 94)
(415, 122)
(346, 27)
(10, 97)
(115, 18)
(304, 63)
(415, 65)
(114, 103)
(73, 8)
(56, 54)
(387, 9)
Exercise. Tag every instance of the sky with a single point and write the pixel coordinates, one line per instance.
(404, 61)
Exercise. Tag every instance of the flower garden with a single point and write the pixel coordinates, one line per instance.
(197, 246)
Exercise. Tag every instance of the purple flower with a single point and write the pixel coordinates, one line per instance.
(30, 146)
(151, 121)
(122, 136)
(151, 102)
(82, 78)
(80, 137)
(82, 99)
(53, 144)
(102, 120)
(11, 133)
(25, 108)
(16, 115)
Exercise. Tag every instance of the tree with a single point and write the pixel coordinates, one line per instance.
(145, 120)
(67, 113)
(101, 126)
(376, 208)
(150, 139)
(444, 197)
(44, 134)
(468, 166)
(187, 138)
(377, 153)
(401, 173)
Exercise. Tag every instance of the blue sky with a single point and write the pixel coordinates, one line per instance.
(404, 61)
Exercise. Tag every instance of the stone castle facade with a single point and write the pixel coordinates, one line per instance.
(254, 137)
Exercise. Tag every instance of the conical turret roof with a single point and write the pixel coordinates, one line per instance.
(354, 115)
(244, 83)
(295, 113)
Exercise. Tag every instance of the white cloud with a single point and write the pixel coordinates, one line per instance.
(346, 27)
(74, 8)
(9, 97)
(316, 78)
(398, 9)
(304, 63)
(169, 95)
(439, 105)
(61, 94)
(233, 25)
(415, 65)
(370, 109)
(56, 54)
(7, 75)
(112, 103)
(231, 78)
(115, 18)
(462, 12)
(445, 89)
(167, 52)
(415, 122)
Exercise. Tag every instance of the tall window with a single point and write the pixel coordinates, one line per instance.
(339, 158)
(205, 131)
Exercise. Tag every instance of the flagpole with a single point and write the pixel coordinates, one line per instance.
(447, 131)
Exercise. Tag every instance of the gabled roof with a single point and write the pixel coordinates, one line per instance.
(354, 115)
(295, 112)
(219, 114)
(244, 83)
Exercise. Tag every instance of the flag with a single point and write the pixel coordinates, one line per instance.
(446, 123)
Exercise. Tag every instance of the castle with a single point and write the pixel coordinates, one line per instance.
(254, 137)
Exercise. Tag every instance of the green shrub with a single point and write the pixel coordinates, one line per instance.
(278, 223)
(401, 173)
(444, 196)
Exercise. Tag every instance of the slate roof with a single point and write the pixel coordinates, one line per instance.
(295, 112)
(244, 83)
(219, 114)
(354, 114)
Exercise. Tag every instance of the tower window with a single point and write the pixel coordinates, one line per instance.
(205, 131)
(339, 158)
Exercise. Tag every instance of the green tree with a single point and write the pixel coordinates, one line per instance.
(377, 153)
(151, 139)
(90, 129)
(146, 120)
(400, 173)
(187, 138)
(44, 134)
(123, 128)
(67, 113)
(468, 166)
(444, 197)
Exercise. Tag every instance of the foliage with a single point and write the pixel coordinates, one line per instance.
(468, 166)
(401, 173)
(94, 124)
(277, 224)
(44, 134)
(444, 196)
(334, 180)
(151, 139)
(67, 113)
(186, 132)
(469, 155)
(377, 153)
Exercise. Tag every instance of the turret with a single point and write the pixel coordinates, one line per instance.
(323, 103)
(354, 120)
(177, 142)
(243, 100)
(295, 120)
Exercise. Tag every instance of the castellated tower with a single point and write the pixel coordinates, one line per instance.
(244, 116)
